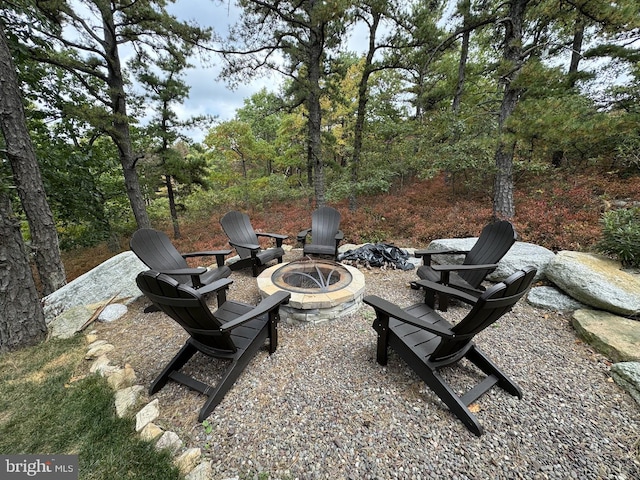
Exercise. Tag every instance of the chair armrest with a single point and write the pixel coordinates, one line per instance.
(302, 235)
(248, 246)
(449, 291)
(223, 283)
(453, 268)
(339, 235)
(219, 254)
(276, 236)
(197, 271)
(388, 309)
(267, 305)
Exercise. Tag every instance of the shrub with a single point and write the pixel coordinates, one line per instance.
(621, 235)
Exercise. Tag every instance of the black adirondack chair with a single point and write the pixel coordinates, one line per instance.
(494, 242)
(235, 331)
(157, 252)
(244, 239)
(427, 342)
(325, 233)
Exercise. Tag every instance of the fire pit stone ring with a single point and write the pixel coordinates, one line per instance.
(321, 290)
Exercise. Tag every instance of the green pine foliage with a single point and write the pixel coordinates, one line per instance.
(621, 235)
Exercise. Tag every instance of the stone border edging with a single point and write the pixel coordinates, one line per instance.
(127, 398)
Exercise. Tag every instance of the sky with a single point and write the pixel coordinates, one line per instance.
(209, 94)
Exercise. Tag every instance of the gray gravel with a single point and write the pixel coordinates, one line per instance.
(322, 408)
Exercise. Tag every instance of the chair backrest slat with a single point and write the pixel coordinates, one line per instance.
(237, 227)
(157, 252)
(185, 306)
(491, 305)
(494, 242)
(325, 223)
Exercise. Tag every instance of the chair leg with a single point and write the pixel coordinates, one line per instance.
(430, 298)
(229, 377)
(383, 343)
(222, 296)
(436, 383)
(274, 318)
(443, 302)
(179, 360)
(443, 299)
(480, 360)
(453, 401)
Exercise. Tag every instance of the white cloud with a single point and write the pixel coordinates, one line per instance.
(210, 95)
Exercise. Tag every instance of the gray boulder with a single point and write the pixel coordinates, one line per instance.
(627, 375)
(112, 312)
(596, 281)
(115, 277)
(70, 321)
(520, 255)
(616, 337)
(550, 298)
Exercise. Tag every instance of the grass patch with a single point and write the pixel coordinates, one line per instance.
(44, 411)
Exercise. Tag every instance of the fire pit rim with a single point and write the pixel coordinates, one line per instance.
(308, 301)
(310, 267)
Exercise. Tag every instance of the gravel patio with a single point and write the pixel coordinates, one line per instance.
(321, 407)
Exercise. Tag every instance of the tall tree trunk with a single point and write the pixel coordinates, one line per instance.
(420, 88)
(503, 202)
(576, 50)
(172, 206)
(462, 65)
(363, 98)
(21, 317)
(314, 151)
(357, 140)
(558, 156)
(168, 180)
(27, 177)
(120, 132)
(464, 55)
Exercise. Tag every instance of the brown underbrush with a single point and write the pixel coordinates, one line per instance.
(560, 212)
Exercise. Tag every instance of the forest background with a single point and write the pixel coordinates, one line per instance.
(449, 115)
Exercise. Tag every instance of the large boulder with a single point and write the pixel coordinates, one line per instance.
(616, 337)
(550, 298)
(627, 375)
(596, 281)
(520, 255)
(114, 278)
(70, 321)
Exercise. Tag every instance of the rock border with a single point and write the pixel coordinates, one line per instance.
(128, 396)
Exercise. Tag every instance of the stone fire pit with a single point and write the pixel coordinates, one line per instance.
(320, 290)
